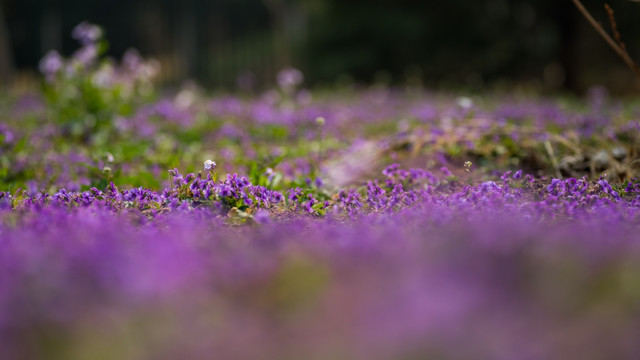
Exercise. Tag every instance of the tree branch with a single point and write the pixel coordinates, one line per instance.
(619, 50)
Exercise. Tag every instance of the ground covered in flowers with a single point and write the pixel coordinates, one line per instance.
(357, 223)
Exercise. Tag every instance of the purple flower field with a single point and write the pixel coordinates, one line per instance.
(352, 223)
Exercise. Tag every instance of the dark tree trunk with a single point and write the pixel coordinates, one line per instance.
(187, 38)
(568, 57)
(277, 11)
(51, 27)
(6, 58)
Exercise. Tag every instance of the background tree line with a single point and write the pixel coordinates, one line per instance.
(452, 43)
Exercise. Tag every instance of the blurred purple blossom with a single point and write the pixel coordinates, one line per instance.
(87, 33)
(290, 78)
(51, 64)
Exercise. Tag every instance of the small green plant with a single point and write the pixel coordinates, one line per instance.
(86, 91)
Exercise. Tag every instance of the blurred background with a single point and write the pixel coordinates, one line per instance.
(242, 44)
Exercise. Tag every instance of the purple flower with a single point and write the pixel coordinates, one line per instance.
(391, 170)
(51, 64)
(517, 175)
(87, 33)
(86, 55)
(226, 191)
(131, 60)
(294, 194)
(290, 78)
(262, 217)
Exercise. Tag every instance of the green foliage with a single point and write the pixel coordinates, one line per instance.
(87, 91)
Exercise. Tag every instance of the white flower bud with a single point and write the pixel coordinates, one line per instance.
(209, 165)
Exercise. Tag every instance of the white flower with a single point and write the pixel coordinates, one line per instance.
(464, 102)
(209, 165)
